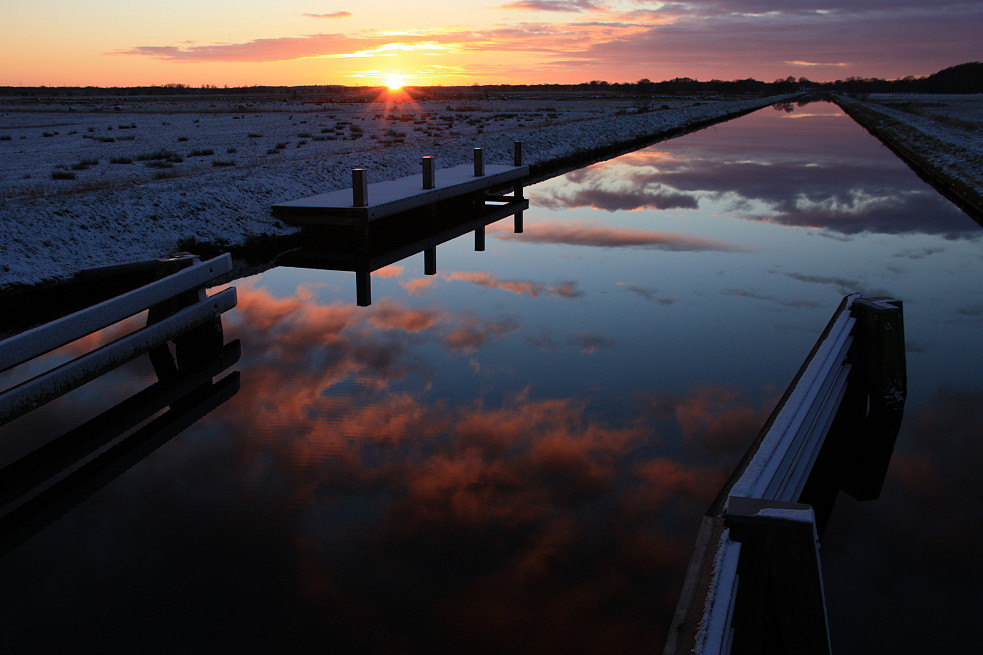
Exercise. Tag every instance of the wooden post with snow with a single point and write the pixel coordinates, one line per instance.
(360, 188)
(479, 162)
(428, 173)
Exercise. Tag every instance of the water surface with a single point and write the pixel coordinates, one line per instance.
(512, 455)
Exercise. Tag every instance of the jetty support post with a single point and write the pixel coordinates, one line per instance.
(363, 288)
(360, 188)
(479, 239)
(517, 187)
(517, 161)
(479, 162)
(430, 260)
(428, 172)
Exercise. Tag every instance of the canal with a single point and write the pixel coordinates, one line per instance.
(512, 455)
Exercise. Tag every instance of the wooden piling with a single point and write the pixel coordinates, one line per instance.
(360, 188)
(363, 288)
(428, 172)
(479, 162)
(479, 239)
(430, 261)
(517, 153)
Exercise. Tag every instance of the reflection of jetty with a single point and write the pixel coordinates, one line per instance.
(754, 583)
(58, 474)
(366, 203)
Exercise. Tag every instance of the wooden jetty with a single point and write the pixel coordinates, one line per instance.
(365, 203)
(754, 582)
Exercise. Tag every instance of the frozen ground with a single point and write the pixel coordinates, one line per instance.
(93, 182)
(943, 134)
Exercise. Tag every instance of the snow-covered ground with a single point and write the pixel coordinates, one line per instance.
(100, 182)
(942, 133)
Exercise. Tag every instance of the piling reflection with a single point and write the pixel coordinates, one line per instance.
(399, 237)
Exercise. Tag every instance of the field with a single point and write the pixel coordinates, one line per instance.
(78, 145)
(86, 182)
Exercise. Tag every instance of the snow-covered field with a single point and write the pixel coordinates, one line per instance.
(944, 133)
(93, 182)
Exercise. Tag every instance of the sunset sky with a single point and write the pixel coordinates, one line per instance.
(296, 42)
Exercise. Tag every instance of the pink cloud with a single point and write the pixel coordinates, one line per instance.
(583, 233)
(520, 287)
(334, 14)
(552, 5)
(419, 286)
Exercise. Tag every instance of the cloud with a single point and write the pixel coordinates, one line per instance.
(653, 197)
(552, 5)
(393, 270)
(648, 293)
(590, 342)
(772, 299)
(418, 286)
(814, 63)
(334, 14)
(584, 233)
(776, 185)
(520, 287)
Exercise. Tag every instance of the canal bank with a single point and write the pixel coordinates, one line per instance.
(946, 154)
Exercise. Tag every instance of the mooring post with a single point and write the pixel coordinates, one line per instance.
(430, 260)
(517, 161)
(479, 239)
(428, 177)
(479, 162)
(360, 188)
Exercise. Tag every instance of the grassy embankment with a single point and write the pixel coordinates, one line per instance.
(947, 167)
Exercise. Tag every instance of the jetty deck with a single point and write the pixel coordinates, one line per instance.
(382, 199)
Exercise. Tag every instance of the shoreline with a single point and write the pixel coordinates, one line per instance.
(948, 158)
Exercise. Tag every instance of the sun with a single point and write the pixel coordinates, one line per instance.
(395, 81)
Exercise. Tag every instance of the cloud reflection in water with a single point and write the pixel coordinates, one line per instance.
(845, 186)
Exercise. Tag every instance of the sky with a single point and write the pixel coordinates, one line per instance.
(430, 42)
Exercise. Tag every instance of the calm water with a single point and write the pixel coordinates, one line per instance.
(512, 455)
